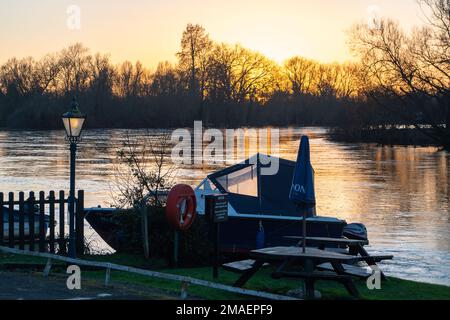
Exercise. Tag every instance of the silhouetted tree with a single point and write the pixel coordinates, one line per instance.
(194, 58)
(413, 68)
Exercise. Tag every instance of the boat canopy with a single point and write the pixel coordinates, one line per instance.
(251, 192)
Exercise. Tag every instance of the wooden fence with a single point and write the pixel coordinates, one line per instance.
(24, 226)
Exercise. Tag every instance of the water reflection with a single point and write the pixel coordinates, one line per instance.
(400, 193)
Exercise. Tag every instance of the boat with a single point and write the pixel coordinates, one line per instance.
(260, 203)
(259, 210)
(105, 222)
(26, 226)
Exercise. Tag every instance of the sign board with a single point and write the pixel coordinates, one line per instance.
(216, 207)
(216, 211)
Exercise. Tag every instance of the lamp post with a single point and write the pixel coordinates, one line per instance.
(73, 123)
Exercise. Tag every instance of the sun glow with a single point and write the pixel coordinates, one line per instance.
(150, 31)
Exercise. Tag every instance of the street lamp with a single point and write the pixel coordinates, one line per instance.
(73, 123)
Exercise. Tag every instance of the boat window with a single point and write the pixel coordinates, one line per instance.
(244, 181)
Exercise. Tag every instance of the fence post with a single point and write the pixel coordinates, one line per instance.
(62, 240)
(184, 290)
(21, 221)
(42, 233)
(107, 276)
(52, 221)
(11, 220)
(79, 223)
(31, 219)
(47, 268)
(2, 233)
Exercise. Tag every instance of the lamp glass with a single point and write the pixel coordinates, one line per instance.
(73, 126)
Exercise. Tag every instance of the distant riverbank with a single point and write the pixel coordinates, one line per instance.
(384, 136)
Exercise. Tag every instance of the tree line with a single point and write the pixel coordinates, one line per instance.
(222, 84)
(400, 78)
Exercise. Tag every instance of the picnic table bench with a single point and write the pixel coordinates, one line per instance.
(356, 247)
(290, 257)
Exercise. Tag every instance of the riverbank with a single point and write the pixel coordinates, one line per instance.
(393, 289)
(383, 136)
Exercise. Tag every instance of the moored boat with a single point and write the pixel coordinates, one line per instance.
(259, 210)
(259, 202)
(26, 225)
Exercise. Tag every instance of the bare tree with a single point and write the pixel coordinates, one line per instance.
(253, 76)
(129, 79)
(412, 67)
(141, 175)
(194, 57)
(301, 74)
(142, 170)
(243, 75)
(165, 81)
(74, 63)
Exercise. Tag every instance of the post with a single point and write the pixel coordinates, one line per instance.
(144, 227)
(52, 221)
(216, 211)
(175, 248)
(107, 276)
(31, 219)
(62, 240)
(47, 268)
(184, 290)
(72, 244)
(216, 251)
(304, 230)
(21, 221)
(42, 230)
(11, 220)
(79, 223)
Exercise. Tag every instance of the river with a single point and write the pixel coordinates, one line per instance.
(400, 193)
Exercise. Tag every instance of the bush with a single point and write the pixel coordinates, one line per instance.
(195, 247)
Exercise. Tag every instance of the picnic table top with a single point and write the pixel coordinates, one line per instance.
(331, 240)
(280, 253)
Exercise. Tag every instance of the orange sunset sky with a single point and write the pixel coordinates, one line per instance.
(150, 30)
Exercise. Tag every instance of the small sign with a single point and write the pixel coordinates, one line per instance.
(216, 207)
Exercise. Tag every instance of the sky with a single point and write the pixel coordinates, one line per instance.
(150, 30)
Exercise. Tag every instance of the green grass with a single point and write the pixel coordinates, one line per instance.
(393, 289)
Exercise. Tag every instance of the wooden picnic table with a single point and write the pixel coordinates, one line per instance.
(356, 247)
(292, 256)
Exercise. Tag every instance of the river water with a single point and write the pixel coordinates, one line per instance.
(400, 193)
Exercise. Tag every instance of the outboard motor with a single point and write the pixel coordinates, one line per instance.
(356, 231)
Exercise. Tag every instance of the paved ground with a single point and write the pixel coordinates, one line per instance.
(29, 285)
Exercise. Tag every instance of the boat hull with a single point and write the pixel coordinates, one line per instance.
(26, 231)
(238, 235)
(107, 226)
(26, 226)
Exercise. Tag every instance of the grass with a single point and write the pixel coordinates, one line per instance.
(393, 289)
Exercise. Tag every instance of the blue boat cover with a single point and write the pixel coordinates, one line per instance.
(250, 192)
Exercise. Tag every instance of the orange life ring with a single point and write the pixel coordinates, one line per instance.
(181, 207)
